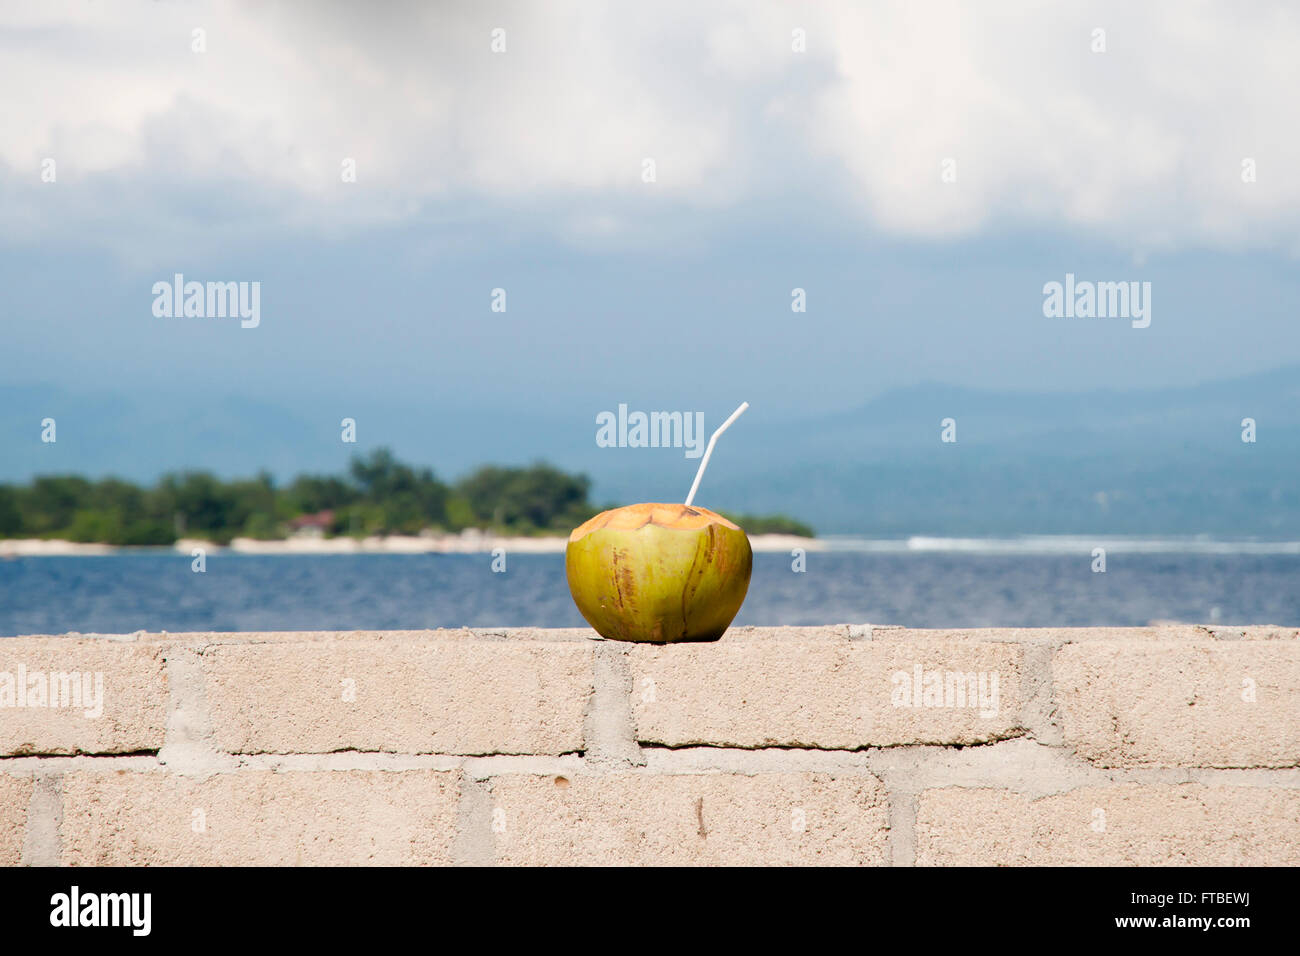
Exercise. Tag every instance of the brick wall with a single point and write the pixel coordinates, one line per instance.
(835, 745)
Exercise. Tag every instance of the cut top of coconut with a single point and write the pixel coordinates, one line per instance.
(678, 517)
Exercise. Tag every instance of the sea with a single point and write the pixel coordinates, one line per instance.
(915, 582)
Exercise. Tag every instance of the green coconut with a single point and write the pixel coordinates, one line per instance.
(658, 572)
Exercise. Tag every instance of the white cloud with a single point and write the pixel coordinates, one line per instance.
(1142, 144)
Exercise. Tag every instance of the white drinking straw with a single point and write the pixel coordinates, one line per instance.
(704, 462)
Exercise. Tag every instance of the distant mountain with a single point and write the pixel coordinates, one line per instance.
(1146, 461)
(1143, 461)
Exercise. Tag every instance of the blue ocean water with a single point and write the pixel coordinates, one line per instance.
(158, 591)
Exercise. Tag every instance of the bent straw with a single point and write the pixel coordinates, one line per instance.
(704, 462)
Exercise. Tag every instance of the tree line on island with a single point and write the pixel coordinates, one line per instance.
(377, 496)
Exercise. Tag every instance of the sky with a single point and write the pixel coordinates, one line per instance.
(920, 170)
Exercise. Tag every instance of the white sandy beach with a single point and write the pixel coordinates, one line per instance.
(469, 542)
(39, 547)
